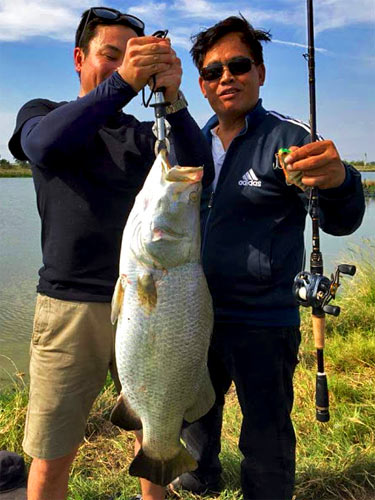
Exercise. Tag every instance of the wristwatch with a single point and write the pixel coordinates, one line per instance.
(180, 103)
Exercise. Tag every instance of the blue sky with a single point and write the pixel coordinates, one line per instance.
(36, 47)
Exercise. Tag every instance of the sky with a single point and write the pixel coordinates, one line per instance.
(36, 59)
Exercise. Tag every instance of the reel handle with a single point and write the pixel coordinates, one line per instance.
(332, 310)
(347, 269)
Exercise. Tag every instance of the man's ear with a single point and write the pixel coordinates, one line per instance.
(262, 74)
(79, 57)
(201, 84)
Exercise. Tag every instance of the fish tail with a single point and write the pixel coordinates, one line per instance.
(123, 416)
(159, 471)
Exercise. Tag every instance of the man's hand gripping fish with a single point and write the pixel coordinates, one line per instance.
(164, 313)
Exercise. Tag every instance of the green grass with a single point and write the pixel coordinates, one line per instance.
(335, 460)
(15, 172)
(368, 187)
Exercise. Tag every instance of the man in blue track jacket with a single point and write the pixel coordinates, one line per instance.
(252, 248)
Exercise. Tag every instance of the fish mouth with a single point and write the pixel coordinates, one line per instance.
(159, 233)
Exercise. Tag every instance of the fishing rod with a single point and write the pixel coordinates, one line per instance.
(313, 289)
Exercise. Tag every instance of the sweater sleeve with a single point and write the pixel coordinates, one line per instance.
(71, 126)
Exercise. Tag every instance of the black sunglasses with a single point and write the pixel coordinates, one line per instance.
(109, 14)
(237, 66)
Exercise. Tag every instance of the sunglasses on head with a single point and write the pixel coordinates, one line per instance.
(237, 66)
(109, 14)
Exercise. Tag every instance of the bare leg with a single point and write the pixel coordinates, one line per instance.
(48, 479)
(150, 491)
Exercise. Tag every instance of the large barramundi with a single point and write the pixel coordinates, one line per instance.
(164, 312)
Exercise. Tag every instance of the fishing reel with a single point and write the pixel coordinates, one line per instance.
(316, 290)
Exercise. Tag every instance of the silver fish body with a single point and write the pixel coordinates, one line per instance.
(165, 320)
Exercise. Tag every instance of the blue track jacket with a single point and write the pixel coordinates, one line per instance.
(253, 224)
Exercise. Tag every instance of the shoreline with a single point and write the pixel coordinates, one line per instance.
(25, 172)
(15, 172)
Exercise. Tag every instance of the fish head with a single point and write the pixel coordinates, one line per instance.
(170, 230)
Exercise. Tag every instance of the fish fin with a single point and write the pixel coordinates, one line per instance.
(117, 297)
(204, 401)
(123, 416)
(146, 290)
(159, 471)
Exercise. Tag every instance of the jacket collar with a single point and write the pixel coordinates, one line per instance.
(253, 119)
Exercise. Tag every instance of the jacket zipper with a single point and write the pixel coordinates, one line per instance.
(209, 206)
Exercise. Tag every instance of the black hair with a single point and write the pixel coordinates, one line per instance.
(205, 40)
(82, 40)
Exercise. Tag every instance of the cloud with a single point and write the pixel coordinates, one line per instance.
(149, 10)
(300, 45)
(24, 19)
(333, 14)
(209, 11)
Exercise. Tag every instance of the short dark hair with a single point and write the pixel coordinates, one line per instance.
(83, 39)
(205, 40)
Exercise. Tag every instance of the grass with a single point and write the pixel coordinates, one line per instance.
(335, 460)
(368, 187)
(15, 171)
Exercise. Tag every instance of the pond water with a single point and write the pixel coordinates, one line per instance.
(20, 259)
(370, 176)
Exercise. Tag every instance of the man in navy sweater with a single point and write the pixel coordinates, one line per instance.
(89, 160)
(252, 248)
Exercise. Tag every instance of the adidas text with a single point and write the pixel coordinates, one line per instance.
(249, 183)
(250, 179)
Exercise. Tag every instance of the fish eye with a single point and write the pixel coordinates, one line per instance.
(193, 196)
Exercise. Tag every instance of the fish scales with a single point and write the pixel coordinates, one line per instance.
(165, 320)
(148, 360)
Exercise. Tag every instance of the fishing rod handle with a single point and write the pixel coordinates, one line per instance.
(321, 398)
(321, 388)
(319, 325)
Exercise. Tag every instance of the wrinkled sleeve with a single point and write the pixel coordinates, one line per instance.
(341, 209)
(68, 127)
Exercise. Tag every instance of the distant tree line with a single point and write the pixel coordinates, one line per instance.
(7, 165)
(362, 163)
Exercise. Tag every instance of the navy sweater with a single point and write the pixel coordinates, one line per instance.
(253, 223)
(89, 160)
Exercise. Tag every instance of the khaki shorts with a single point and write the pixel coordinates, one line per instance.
(72, 348)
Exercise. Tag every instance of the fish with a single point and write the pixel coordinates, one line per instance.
(164, 315)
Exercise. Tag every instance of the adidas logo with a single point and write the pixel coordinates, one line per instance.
(250, 179)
